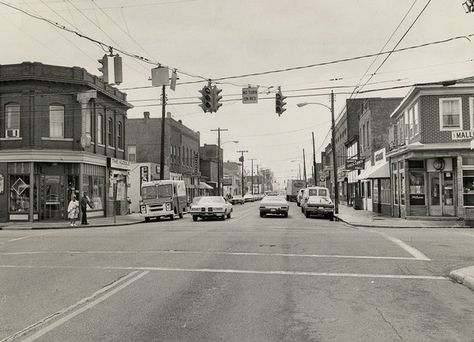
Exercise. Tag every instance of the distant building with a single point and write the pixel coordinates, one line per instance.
(208, 165)
(62, 132)
(181, 148)
(232, 181)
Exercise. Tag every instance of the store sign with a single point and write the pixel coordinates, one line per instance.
(115, 163)
(144, 174)
(379, 156)
(462, 135)
(354, 164)
(417, 199)
(227, 181)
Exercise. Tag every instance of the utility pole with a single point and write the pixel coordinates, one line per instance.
(333, 143)
(304, 171)
(252, 172)
(241, 159)
(315, 171)
(219, 130)
(162, 150)
(299, 171)
(258, 182)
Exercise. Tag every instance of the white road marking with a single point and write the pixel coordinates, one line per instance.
(234, 271)
(69, 308)
(21, 238)
(73, 314)
(327, 256)
(409, 249)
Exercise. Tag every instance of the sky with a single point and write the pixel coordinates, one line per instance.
(215, 39)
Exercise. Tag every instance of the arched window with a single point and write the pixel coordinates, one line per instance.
(56, 121)
(12, 120)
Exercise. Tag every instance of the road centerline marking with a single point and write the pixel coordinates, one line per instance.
(86, 307)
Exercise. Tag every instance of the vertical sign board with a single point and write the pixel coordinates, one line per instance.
(250, 95)
(144, 173)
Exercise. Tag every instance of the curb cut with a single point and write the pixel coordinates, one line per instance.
(390, 227)
(69, 227)
(464, 276)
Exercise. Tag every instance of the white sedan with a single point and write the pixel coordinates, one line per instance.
(211, 207)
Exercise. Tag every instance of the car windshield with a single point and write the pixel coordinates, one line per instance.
(196, 200)
(211, 199)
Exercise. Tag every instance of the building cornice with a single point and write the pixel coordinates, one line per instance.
(57, 156)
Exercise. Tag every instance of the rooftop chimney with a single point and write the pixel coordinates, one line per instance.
(146, 115)
(168, 115)
(180, 121)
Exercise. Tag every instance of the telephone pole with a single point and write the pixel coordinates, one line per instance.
(315, 171)
(162, 149)
(258, 182)
(252, 172)
(304, 170)
(241, 159)
(333, 143)
(219, 130)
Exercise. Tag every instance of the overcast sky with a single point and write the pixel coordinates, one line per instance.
(220, 38)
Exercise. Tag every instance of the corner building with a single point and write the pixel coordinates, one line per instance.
(62, 131)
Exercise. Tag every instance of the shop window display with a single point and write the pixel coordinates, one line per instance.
(417, 188)
(19, 194)
(94, 187)
(468, 187)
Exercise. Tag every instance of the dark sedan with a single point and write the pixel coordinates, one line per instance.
(274, 205)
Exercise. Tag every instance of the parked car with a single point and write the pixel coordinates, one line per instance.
(237, 199)
(316, 201)
(210, 207)
(248, 198)
(275, 205)
(299, 197)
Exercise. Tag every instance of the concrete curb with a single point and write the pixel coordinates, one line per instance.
(371, 225)
(69, 227)
(464, 276)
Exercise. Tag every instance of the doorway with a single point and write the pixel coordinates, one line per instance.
(53, 203)
(441, 193)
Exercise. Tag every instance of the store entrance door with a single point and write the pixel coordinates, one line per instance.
(441, 188)
(52, 198)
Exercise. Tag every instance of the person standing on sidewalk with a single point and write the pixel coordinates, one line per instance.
(73, 210)
(84, 203)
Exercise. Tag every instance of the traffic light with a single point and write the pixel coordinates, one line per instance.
(206, 99)
(279, 102)
(216, 98)
(118, 77)
(104, 69)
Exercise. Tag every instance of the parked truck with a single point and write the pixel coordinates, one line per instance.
(292, 188)
(163, 198)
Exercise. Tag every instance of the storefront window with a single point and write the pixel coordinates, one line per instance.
(417, 188)
(385, 191)
(376, 191)
(395, 188)
(94, 187)
(19, 194)
(468, 187)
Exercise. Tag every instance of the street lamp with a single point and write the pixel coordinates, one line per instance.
(333, 143)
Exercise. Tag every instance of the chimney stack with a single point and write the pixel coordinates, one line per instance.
(146, 115)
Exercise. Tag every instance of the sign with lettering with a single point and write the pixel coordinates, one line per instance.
(120, 164)
(250, 95)
(143, 174)
(355, 164)
(462, 135)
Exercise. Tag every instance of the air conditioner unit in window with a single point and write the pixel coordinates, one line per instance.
(12, 133)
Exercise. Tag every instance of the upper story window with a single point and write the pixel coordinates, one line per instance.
(111, 132)
(100, 129)
(450, 115)
(12, 120)
(119, 135)
(56, 121)
(132, 153)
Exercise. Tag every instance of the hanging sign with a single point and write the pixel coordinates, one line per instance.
(250, 95)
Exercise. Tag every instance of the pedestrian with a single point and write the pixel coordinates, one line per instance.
(73, 210)
(84, 203)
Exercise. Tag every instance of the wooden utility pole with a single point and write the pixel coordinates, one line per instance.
(219, 130)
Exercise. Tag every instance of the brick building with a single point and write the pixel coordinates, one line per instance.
(232, 181)
(431, 161)
(62, 132)
(181, 148)
(208, 165)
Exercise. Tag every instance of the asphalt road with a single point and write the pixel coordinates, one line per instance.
(243, 279)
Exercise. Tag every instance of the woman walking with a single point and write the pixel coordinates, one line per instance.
(73, 210)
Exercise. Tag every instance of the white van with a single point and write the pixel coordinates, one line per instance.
(316, 201)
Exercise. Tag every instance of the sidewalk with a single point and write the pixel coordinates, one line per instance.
(122, 220)
(364, 218)
(464, 276)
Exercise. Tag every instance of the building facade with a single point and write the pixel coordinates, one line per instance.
(431, 160)
(232, 181)
(209, 164)
(181, 148)
(62, 133)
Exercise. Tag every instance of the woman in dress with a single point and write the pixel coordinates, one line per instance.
(73, 210)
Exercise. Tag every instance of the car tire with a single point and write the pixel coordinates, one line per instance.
(228, 215)
(302, 210)
(195, 218)
(285, 215)
(262, 215)
(180, 215)
(307, 214)
(331, 217)
(171, 217)
(147, 219)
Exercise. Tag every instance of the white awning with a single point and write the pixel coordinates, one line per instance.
(203, 185)
(377, 171)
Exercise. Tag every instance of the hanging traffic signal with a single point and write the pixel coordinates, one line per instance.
(104, 69)
(118, 77)
(279, 102)
(206, 99)
(216, 98)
